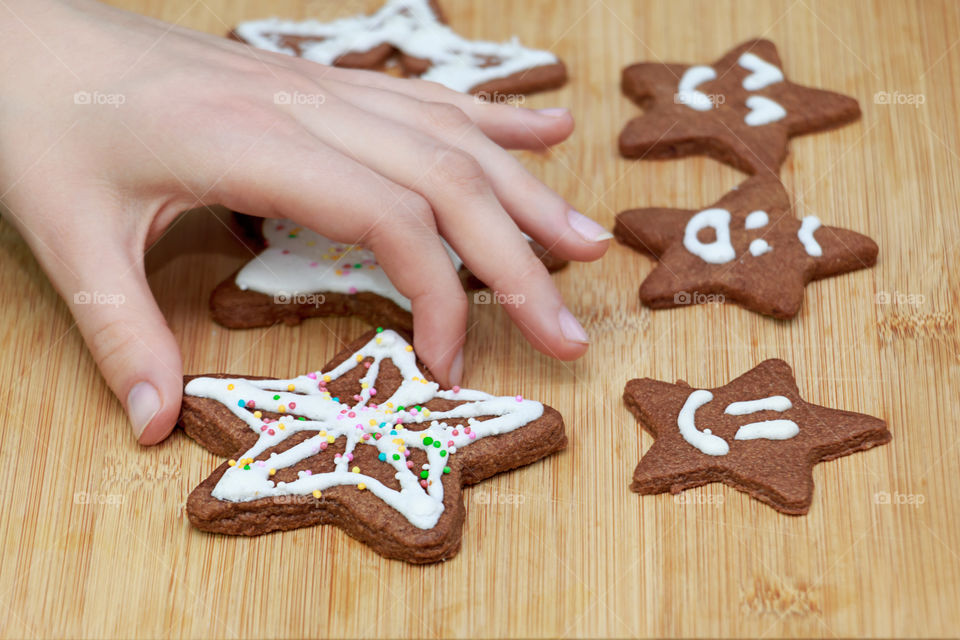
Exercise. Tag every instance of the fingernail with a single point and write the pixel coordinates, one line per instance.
(570, 328)
(143, 402)
(588, 229)
(554, 112)
(456, 369)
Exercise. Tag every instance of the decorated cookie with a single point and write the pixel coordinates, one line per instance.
(748, 248)
(755, 434)
(370, 444)
(740, 110)
(427, 48)
(301, 274)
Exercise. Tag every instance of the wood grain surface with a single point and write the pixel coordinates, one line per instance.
(94, 539)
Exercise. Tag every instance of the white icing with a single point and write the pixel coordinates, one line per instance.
(759, 246)
(805, 233)
(756, 219)
(763, 111)
(704, 440)
(409, 26)
(763, 73)
(422, 506)
(718, 251)
(770, 403)
(299, 261)
(687, 89)
(768, 430)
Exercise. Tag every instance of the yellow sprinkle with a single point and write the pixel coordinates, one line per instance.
(232, 463)
(273, 472)
(229, 387)
(371, 266)
(281, 427)
(398, 441)
(290, 387)
(364, 385)
(317, 494)
(373, 422)
(326, 378)
(339, 272)
(310, 243)
(330, 439)
(408, 348)
(322, 434)
(379, 340)
(355, 470)
(359, 358)
(401, 448)
(361, 486)
(390, 404)
(282, 409)
(426, 413)
(257, 414)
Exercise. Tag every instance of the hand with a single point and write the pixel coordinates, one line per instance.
(176, 119)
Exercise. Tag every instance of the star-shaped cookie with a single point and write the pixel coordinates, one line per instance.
(300, 274)
(755, 434)
(748, 248)
(370, 443)
(426, 48)
(740, 110)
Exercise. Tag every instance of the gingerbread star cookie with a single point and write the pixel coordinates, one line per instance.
(748, 248)
(426, 48)
(370, 443)
(740, 110)
(301, 274)
(755, 434)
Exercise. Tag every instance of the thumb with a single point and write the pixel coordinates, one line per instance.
(127, 335)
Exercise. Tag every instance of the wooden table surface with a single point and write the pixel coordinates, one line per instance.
(561, 548)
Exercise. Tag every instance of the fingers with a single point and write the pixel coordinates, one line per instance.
(106, 289)
(351, 203)
(467, 211)
(536, 209)
(509, 126)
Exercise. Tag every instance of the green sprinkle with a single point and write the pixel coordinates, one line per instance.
(443, 453)
(277, 397)
(246, 467)
(446, 469)
(436, 443)
(424, 474)
(428, 441)
(379, 329)
(396, 456)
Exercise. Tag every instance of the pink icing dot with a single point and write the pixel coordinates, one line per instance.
(519, 398)
(455, 432)
(293, 405)
(456, 389)
(263, 428)
(352, 289)
(250, 404)
(261, 463)
(271, 432)
(312, 376)
(373, 392)
(350, 457)
(279, 227)
(323, 445)
(352, 414)
(313, 264)
(423, 483)
(367, 364)
(285, 251)
(308, 472)
(473, 436)
(449, 443)
(409, 465)
(406, 453)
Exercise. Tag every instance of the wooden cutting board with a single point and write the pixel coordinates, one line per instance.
(561, 548)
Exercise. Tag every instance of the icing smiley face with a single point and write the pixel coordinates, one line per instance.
(721, 250)
(762, 110)
(705, 441)
(741, 109)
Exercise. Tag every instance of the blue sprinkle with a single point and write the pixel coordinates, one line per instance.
(393, 432)
(383, 457)
(242, 403)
